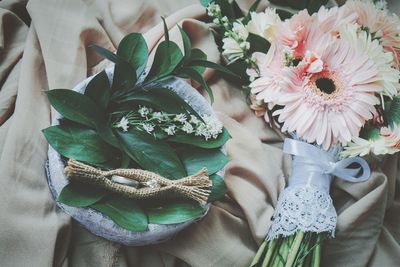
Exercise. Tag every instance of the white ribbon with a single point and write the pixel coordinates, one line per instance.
(306, 204)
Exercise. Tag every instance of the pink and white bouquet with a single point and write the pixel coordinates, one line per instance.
(328, 79)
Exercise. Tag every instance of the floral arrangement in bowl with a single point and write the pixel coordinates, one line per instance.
(136, 154)
(328, 77)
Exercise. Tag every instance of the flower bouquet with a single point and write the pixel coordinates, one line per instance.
(136, 154)
(329, 79)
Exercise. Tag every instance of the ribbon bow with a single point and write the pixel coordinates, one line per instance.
(319, 160)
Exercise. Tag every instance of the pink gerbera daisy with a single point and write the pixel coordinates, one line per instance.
(327, 96)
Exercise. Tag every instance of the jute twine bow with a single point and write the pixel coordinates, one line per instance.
(151, 185)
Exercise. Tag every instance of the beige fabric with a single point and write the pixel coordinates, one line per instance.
(52, 52)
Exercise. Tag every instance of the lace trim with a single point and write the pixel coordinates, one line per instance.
(304, 208)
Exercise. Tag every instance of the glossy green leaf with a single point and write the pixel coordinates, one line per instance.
(98, 89)
(197, 54)
(152, 154)
(252, 8)
(106, 53)
(205, 3)
(133, 49)
(124, 76)
(196, 76)
(79, 195)
(195, 158)
(284, 14)
(76, 107)
(212, 65)
(187, 44)
(219, 188)
(370, 132)
(178, 211)
(166, 31)
(167, 57)
(201, 142)
(226, 8)
(124, 212)
(314, 5)
(392, 111)
(258, 43)
(78, 143)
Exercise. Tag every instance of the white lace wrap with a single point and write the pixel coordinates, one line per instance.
(305, 205)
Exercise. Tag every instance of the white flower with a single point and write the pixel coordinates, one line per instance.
(231, 49)
(187, 128)
(201, 130)
(170, 130)
(144, 111)
(180, 118)
(213, 9)
(124, 124)
(263, 23)
(240, 30)
(148, 127)
(158, 116)
(194, 120)
(216, 21)
(213, 126)
(362, 147)
(388, 77)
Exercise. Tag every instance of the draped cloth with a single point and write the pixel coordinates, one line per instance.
(45, 44)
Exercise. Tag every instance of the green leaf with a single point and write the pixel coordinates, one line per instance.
(124, 76)
(187, 44)
(76, 107)
(167, 57)
(226, 8)
(196, 76)
(195, 158)
(166, 32)
(152, 154)
(197, 54)
(258, 44)
(219, 189)
(106, 53)
(392, 111)
(98, 89)
(78, 143)
(370, 132)
(212, 65)
(284, 14)
(201, 142)
(160, 98)
(252, 8)
(314, 5)
(178, 211)
(133, 49)
(80, 195)
(205, 3)
(239, 67)
(296, 4)
(124, 212)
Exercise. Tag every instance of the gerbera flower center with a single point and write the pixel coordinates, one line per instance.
(326, 85)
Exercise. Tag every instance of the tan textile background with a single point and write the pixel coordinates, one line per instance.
(44, 44)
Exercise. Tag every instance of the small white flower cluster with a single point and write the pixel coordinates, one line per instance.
(151, 121)
(235, 45)
(214, 11)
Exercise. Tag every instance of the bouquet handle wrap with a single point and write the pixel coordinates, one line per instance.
(305, 205)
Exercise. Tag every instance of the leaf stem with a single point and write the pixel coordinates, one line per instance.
(316, 259)
(260, 251)
(294, 249)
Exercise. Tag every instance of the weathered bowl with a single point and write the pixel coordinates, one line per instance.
(96, 222)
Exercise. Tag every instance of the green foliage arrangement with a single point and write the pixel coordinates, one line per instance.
(120, 125)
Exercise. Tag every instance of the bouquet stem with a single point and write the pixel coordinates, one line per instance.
(302, 249)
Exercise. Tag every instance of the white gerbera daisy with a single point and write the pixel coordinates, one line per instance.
(388, 77)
